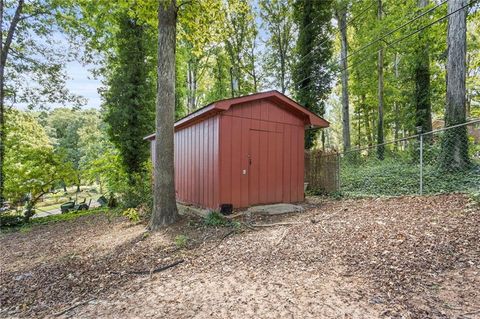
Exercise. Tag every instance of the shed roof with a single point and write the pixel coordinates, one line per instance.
(311, 119)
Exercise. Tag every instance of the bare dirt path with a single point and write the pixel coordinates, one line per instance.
(410, 257)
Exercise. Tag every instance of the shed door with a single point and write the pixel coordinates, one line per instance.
(265, 167)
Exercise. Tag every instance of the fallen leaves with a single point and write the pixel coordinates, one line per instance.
(409, 256)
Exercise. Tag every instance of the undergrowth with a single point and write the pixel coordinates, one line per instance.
(22, 226)
(215, 219)
(394, 177)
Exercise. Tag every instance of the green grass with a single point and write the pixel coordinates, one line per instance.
(24, 227)
(54, 200)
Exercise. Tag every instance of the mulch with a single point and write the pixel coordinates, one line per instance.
(418, 257)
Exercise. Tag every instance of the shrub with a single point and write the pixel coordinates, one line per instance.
(181, 241)
(214, 219)
(11, 220)
(132, 215)
(138, 192)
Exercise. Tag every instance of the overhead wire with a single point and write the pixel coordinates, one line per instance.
(319, 46)
(390, 44)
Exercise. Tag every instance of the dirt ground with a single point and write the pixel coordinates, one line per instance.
(407, 257)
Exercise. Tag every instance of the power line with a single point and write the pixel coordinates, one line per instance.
(395, 30)
(382, 37)
(346, 25)
(390, 44)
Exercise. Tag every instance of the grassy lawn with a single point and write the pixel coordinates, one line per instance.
(54, 200)
(25, 227)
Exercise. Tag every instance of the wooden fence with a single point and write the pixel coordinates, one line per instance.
(322, 171)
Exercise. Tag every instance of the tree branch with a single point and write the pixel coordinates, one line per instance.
(11, 31)
(37, 13)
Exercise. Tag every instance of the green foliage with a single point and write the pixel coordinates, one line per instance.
(139, 192)
(475, 196)
(132, 215)
(240, 41)
(400, 176)
(215, 219)
(377, 177)
(181, 241)
(31, 165)
(130, 98)
(277, 17)
(36, 58)
(10, 220)
(77, 135)
(107, 170)
(312, 74)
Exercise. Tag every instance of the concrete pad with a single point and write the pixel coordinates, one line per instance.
(189, 210)
(276, 209)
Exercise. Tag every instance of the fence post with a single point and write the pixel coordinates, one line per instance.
(419, 130)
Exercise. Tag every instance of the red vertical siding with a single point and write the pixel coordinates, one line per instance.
(212, 155)
(274, 136)
(196, 163)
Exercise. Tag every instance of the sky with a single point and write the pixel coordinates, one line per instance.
(82, 83)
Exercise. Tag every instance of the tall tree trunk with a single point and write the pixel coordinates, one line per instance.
(2, 98)
(254, 73)
(342, 24)
(282, 56)
(283, 85)
(380, 137)
(423, 108)
(469, 92)
(164, 202)
(395, 105)
(454, 154)
(368, 129)
(359, 137)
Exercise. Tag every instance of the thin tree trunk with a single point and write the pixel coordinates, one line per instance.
(359, 137)
(282, 70)
(253, 72)
(454, 154)
(380, 137)
(342, 24)
(282, 55)
(368, 129)
(469, 92)
(164, 202)
(2, 119)
(4, 49)
(395, 106)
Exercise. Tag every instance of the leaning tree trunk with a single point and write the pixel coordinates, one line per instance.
(454, 153)
(164, 203)
(4, 50)
(342, 24)
(380, 137)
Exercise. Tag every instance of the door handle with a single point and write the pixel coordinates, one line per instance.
(249, 160)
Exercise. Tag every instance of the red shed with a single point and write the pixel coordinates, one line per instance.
(243, 151)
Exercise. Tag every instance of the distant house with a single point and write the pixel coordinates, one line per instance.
(242, 151)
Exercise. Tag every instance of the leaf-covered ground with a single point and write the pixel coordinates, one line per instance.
(405, 257)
